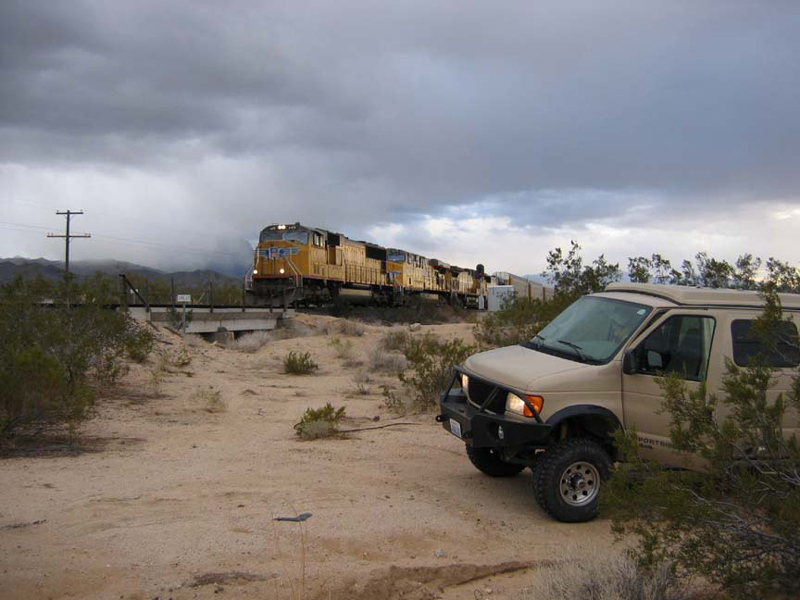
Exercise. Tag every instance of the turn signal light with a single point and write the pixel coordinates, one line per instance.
(536, 402)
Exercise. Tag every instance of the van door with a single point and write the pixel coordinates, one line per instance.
(680, 343)
(745, 344)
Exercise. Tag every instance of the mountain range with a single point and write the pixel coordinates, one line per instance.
(29, 268)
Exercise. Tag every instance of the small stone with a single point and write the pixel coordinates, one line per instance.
(438, 553)
(415, 327)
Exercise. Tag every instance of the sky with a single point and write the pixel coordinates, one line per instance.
(469, 131)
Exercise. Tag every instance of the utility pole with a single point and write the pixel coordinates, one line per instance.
(69, 214)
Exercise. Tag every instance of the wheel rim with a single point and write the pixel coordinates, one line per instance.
(579, 483)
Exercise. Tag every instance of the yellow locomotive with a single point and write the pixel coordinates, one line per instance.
(298, 264)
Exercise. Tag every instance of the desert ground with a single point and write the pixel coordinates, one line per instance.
(175, 493)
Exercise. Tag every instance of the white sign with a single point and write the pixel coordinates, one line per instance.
(184, 299)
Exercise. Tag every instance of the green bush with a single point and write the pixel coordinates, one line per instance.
(295, 363)
(139, 345)
(319, 422)
(342, 348)
(431, 362)
(395, 340)
(57, 343)
(737, 523)
(518, 320)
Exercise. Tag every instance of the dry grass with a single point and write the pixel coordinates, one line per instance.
(210, 400)
(342, 348)
(348, 328)
(251, 342)
(395, 340)
(182, 358)
(605, 576)
(194, 341)
(387, 362)
(362, 381)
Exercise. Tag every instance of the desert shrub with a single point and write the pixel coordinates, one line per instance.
(518, 320)
(251, 342)
(351, 328)
(395, 340)
(431, 362)
(319, 422)
(387, 362)
(211, 400)
(140, 344)
(176, 317)
(194, 341)
(77, 341)
(108, 368)
(295, 363)
(737, 523)
(182, 358)
(391, 400)
(362, 380)
(342, 348)
(155, 382)
(614, 577)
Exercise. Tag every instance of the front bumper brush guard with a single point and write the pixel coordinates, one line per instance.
(483, 429)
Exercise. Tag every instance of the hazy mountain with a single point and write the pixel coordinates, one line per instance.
(30, 268)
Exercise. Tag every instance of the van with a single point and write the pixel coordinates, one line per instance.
(554, 402)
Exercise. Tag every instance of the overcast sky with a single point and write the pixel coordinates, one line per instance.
(470, 131)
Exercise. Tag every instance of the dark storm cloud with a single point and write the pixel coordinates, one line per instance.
(549, 112)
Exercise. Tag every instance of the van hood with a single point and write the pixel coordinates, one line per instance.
(519, 367)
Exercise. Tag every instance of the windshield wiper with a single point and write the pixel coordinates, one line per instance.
(535, 343)
(575, 347)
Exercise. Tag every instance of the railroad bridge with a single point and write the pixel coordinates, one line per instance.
(223, 322)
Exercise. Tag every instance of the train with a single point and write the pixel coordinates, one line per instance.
(299, 265)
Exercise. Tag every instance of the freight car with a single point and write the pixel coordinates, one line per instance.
(523, 287)
(306, 265)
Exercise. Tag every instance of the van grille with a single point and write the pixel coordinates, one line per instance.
(478, 392)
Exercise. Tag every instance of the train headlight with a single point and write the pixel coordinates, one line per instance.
(255, 271)
(516, 405)
(281, 271)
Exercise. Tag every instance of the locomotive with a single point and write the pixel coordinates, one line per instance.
(305, 265)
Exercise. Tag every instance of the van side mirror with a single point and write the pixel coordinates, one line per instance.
(630, 362)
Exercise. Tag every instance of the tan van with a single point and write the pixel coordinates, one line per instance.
(557, 399)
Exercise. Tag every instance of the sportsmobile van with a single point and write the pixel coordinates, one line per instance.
(557, 399)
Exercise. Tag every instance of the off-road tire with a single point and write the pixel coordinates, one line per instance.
(549, 479)
(489, 463)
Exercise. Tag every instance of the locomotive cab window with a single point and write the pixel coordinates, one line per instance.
(300, 237)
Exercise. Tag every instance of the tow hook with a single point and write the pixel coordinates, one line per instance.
(441, 418)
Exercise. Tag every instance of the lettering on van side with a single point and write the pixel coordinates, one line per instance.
(648, 443)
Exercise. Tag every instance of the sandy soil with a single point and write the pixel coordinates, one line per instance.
(178, 502)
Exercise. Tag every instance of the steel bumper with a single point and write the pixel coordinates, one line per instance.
(483, 429)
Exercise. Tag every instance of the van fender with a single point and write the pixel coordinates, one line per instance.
(603, 421)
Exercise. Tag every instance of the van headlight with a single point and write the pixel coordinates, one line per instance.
(516, 405)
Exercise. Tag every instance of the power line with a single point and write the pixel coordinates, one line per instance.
(67, 238)
(15, 227)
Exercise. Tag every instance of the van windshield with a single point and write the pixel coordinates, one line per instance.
(591, 330)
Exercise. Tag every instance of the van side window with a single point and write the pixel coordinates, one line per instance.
(747, 345)
(681, 344)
